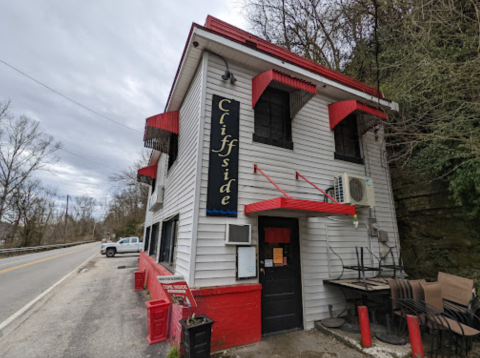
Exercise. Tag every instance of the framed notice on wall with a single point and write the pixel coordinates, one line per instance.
(246, 262)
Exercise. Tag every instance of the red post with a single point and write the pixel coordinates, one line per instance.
(157, 320)
(364, 326)
(139, 279)
(415, 337)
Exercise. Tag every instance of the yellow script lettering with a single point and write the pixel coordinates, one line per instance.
(220, 104)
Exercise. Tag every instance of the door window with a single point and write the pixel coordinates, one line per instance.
(124, 241)
(134, 240)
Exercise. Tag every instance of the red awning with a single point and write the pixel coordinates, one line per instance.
(300, 91)
(147, 175)
(340, 110)
(158, 130)
(310, 207)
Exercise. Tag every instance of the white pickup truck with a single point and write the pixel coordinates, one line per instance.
(125, 245)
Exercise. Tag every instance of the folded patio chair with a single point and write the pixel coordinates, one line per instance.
(394, 296)
(458, 298)
(417, 290)
(436, 314)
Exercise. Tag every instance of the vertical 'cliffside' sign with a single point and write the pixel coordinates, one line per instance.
(223, 170)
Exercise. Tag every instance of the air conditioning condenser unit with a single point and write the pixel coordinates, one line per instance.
(354, 190)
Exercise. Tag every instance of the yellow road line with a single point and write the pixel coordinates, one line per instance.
(38, 261)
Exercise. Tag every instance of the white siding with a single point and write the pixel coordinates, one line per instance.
(179, 181)
(313, 156)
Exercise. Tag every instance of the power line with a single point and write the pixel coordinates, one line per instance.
(91, 160)
(68, 98)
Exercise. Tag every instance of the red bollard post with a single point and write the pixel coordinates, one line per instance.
(415, 337)
(139, 279)
(157, 320)
(364, 326)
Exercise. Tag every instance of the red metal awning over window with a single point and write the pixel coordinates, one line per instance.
(340, 110)
(147, 175)
(158, 130)
(300, 91)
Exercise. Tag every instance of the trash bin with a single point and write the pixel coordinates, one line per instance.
(139, 279)
(196, 338)
(157, 317)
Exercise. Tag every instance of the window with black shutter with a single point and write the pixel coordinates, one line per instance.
(273, 124)
(347, 143)
(173, 150)
(169, 243)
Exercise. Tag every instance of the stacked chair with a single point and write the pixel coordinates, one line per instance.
(445, 308)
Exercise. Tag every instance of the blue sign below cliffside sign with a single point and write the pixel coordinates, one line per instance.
(222, 198)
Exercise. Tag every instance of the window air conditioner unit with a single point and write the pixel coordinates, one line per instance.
(238, 234)
(156, 199)
(354, 190)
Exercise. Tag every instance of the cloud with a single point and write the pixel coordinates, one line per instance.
(116, 57)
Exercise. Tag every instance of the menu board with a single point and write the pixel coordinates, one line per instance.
(246, 262)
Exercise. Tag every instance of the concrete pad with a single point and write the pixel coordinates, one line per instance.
(377, 350)
(298, 344)
(94, 313)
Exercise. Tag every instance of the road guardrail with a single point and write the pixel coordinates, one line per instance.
(20, 250)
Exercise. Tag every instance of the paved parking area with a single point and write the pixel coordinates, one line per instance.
(93, 313)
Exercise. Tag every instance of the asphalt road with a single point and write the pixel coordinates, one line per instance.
(23, 278)
(93, 313)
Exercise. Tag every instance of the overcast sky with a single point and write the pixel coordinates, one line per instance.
(118, 57)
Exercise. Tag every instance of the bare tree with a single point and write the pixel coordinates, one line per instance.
(32, 213)
(323, 31)
(127, 205)
(24, 149)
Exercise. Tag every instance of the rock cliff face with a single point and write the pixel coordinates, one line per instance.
(434, 233)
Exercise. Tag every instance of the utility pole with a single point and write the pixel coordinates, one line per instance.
(93, 233)
(65, 228)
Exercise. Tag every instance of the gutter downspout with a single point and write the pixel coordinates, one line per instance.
(198, 173)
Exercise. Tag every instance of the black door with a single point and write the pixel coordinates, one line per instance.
(279, 255)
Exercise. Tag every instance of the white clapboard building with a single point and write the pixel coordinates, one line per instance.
(267, 171)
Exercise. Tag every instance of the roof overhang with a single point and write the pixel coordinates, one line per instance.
(300, 90)
(147, 175)
(308, 207)
(239, 50)
(338, 111)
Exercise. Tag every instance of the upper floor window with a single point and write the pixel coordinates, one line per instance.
(347, 142)
(173, 150)
(273, 124)
(169, 243)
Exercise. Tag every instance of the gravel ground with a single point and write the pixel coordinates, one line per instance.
(94, 313)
